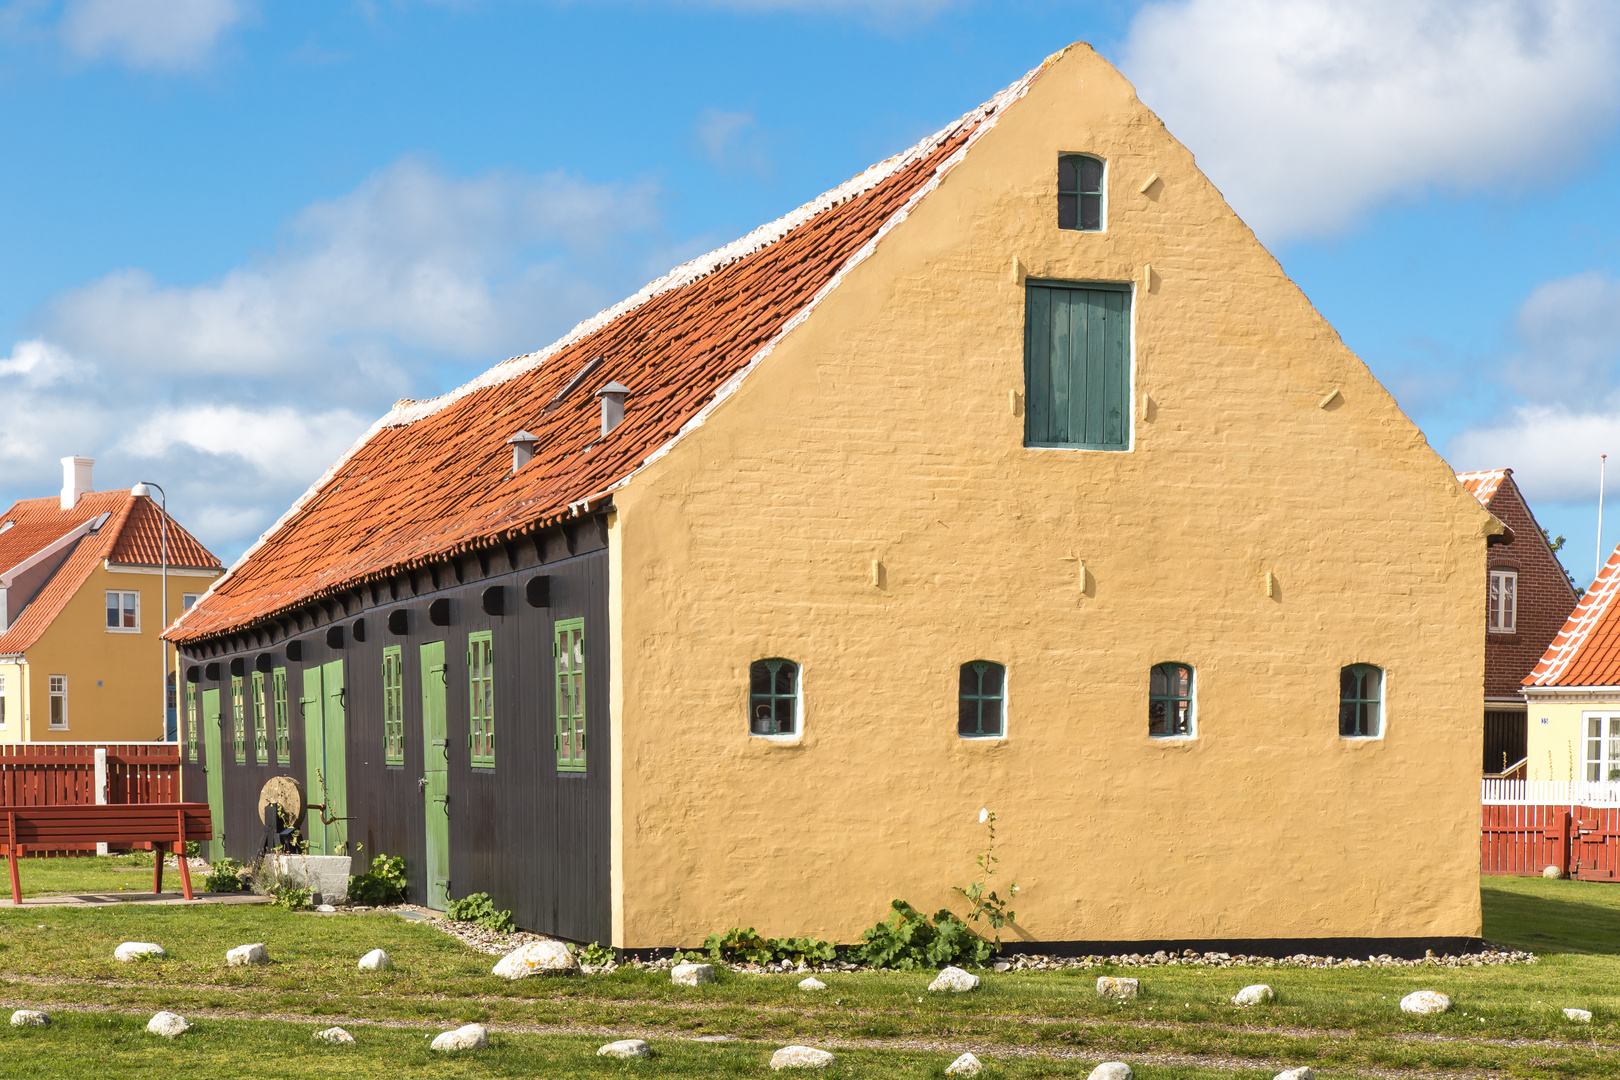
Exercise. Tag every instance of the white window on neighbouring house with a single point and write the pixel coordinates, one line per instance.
(187, 599)
(58, 701)
(1602, 747)
(2, 703)
(123, 611)
(1503, 603)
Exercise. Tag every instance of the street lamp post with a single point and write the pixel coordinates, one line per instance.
(144, 489)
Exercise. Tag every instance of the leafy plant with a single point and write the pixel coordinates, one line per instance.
(480, 909)
(595, 954)
(384, 883)
(268, 879)
(737, 946)
(193, 849)
(907, 939)
(985, 904)
(224, 876)
(285, 894)
(803, 950)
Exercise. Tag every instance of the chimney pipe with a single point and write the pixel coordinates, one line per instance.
(612, 396)
(522, 445)
(75, 480)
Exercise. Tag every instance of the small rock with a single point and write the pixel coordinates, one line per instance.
(955, 981)
(1304, 1072)
(375, 960)
(692, 975)
(130, 951)
(537, 958)
(169, 1025)
(467, 1037)
(966, 1065)
(1425, 1003)
(1118, 989)
(625, 1048)
(243, 955)
(336, 1036)
(1253, 995)
(1002, 965)
(799, 1057)
(324, 907)
(1111, 1070)
(1552, 872)
(1580, 1016)
(812, 983)
(35, 1018)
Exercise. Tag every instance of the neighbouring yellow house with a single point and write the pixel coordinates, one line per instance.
(1574, 692)
(80, 606)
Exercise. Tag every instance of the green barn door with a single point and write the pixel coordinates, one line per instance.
(337, 771)
(214, 769)
(311, 704)
(435, 779)
(1077, 369)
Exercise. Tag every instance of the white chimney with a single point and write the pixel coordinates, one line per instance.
(612, 396)
(75, 480)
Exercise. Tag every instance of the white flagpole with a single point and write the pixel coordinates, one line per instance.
(1603, 461)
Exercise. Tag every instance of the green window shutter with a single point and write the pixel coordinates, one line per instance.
(568, 659)
(261, 735)
(393, 707)
(191, 722)
(1077, 366)
(278, 696)
(238, 721)
(481, 698)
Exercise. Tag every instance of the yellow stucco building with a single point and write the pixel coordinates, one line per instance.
(81, 607)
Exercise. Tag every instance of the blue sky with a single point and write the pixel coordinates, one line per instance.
(235, 232)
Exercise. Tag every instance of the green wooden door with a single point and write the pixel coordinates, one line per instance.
(214, 769)
(1077, 366)
(337, 772)
(311, 705)
(435, 779)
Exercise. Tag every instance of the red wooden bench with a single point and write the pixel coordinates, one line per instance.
(53, 828)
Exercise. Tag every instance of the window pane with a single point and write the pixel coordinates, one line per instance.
(1090, 174)
(784, 679)
(1156, 718)
(112, 609)
(1158, 685)
(992, 680)
(1180, 680)
(1067, 174)
(1068, 212)
(1091, 219)
(1347, 718)
(759, 678)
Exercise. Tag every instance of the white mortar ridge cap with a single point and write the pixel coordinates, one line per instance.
(1490, 480)
(1586, 616)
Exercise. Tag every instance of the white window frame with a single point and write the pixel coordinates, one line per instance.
(1607, 725)
(57, 685)
(2, 703)
(1502, 601)
(188, 599)
(121, 594)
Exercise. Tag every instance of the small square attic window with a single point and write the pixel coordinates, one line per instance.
(1080, 193)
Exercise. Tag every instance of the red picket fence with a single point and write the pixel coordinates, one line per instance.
(1582, 841)
(64, 774)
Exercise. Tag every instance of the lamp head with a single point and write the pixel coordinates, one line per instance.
(141, 489)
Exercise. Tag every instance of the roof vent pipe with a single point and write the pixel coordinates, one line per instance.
(612, 396)
(75, 480)
(522, 445)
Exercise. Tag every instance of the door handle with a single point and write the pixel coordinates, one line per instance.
(422, 784)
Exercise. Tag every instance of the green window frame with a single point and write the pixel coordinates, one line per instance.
(278, 704)
(261, 725)
(1361, 701)
(238, 721)
(481, 698)
(1170, 701)
(568, 658)
(191, 722)
(981, 700)
(1077, 370)
(393, 677)
(1080, 192)
(773, 697)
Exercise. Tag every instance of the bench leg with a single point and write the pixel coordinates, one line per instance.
(16, 885)
(157, 866)
(185, 868)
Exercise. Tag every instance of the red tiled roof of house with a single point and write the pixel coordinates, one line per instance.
(1483, 484)
(1586, 651)
(40, 522)
(433, 479)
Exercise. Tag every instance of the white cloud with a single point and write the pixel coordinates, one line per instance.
(281, 442)
(1570, 329)
(731, 142)
(1308, 113)
(156, 34)
(1552, 449)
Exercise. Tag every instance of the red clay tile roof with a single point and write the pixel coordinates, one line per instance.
(1482, 485)
(433, 478)
(123, 535)
(1586, 651)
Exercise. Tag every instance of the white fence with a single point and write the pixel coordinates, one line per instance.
(1493, 792)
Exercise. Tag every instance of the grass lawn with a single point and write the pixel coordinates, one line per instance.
(131, 872)
(1344, 1021)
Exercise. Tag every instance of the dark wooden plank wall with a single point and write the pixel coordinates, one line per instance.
(1506, 739)
(537, 841)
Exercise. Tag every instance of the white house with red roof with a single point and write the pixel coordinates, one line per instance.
(81, 612)
(1574, 691)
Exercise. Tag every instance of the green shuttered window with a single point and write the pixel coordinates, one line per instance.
(261, 734)
(238, 721)
(278, 699)
(1361, 701)
(1077, 372)
(568, 651)
(393, 707)
(981, 695)
(1080, 193)
(481, 692)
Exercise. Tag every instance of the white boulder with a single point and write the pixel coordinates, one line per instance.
(1118, 989)
(1551, 872)
(1580, 1016)
(466, 1037)
(131, 951)
(375, 960)
(336, 1036)
(1304, 1072)
(812, 983)
(537, 958)
(625, 1048)
(953, 980)
(800, 1057)
(243, 955)
(1253, 995)
(1111, 1070)
(35, 1018)
(691, 974)
(966, 1065)
(1425, 1003)
(168, 1024)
